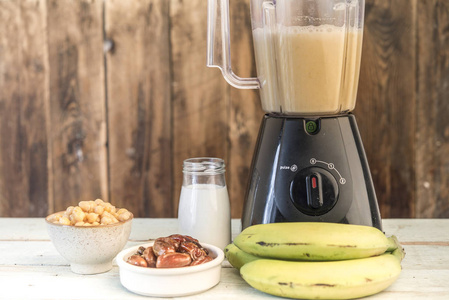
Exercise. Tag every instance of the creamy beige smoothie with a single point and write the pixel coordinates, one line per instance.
(308, 70)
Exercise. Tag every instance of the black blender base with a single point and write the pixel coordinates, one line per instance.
(310, 170)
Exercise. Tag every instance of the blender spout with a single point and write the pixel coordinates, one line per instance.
(219, 45)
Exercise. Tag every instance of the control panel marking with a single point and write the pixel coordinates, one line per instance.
(330, 166)
(292, 168)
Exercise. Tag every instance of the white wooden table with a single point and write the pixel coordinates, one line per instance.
(31, 268)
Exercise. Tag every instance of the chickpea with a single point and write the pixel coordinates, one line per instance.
(124, 216)
(92, 205)
(87, 206)
(121, 210)
(109, 208)
(77, 215)
(99, 202)
(108, 218)
(106, 221)
(81, 223)
(113, 220)
(92, 217)
(69, 210)
(99, 209)
(55, 218)
(64, 221)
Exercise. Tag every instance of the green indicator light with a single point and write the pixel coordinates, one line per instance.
(311, 126)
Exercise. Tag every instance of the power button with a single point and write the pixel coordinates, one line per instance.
(311, 127)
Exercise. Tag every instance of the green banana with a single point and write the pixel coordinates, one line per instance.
(237, 258)
(346, 279)
(313, 241)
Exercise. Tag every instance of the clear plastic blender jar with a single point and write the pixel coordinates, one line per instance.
(307, 53)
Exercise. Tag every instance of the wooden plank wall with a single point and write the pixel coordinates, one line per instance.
(106, 98)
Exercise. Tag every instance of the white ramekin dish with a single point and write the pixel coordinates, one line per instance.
(170, 282)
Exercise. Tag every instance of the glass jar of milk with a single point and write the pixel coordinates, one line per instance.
(204, 209)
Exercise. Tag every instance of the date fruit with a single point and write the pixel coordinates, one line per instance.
(164, 245)
(174, 251)
(150, 257)
(137, 260)
(192, 249)
(201, 260)
(173, 260)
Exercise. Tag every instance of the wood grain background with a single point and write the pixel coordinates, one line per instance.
(105, 99)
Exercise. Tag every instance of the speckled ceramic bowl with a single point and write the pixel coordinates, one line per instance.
(90, 250)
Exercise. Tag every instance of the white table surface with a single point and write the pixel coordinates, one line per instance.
(31, 268)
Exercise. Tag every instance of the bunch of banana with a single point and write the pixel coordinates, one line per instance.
(316, 260)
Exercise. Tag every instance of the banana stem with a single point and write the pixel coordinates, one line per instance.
(393, 243)
(399, 253)
(395, 248)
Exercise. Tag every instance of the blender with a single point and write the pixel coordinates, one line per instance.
(309, 164)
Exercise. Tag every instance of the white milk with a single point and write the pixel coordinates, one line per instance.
(204, 213)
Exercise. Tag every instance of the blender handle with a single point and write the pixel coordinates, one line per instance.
(219, 45)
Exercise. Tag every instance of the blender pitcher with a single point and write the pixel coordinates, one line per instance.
(307, 53)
